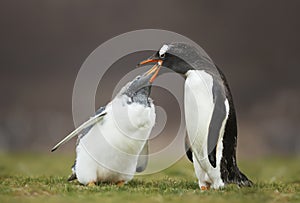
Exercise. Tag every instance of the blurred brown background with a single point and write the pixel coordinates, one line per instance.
(43, 44)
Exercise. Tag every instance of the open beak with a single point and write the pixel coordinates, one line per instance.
(145, 80)
(152, 59)
(155, 69)
(152, 73)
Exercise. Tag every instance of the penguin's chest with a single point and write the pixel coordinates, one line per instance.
(199, 106)
(111, 148)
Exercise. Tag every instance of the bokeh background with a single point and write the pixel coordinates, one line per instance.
(44, 43)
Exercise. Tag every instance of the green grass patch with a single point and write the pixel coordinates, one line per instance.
(42, 178)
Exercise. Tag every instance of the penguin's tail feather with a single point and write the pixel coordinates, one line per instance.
(241, 180)
(73, 175)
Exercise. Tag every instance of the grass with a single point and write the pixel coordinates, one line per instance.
(42, 178)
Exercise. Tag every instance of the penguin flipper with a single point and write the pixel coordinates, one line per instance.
(218, 121)
(188, 150)
(92, 121)
(143, 159)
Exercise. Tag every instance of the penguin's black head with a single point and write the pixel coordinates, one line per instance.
(139, 89)
(179, 57)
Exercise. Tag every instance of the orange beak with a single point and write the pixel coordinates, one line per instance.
(154, 70)
(159, 61)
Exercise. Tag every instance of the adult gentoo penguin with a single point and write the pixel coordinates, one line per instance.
(209, 113)
(112, 145)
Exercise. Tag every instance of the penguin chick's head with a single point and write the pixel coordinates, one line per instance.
(180, 57)
(139, 89)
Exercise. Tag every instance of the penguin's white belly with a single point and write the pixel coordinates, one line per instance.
(199, 107)
(110, 150)
(89, 170)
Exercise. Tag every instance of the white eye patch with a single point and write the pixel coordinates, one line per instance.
(163, 49)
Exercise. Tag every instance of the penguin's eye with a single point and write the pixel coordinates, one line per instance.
(162, 56)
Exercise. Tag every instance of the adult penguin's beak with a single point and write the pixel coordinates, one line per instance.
(152, 73)
(152, 59)
(144, 80)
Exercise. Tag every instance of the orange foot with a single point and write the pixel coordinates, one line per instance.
(91, 184)
(204, 188)
(120, 183)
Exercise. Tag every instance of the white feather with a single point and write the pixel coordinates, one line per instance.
(199, 106)
(109, 151)
(163, 49)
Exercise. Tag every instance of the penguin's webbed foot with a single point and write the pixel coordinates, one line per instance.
(91, 184)
(120, 183)
(203, 188)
